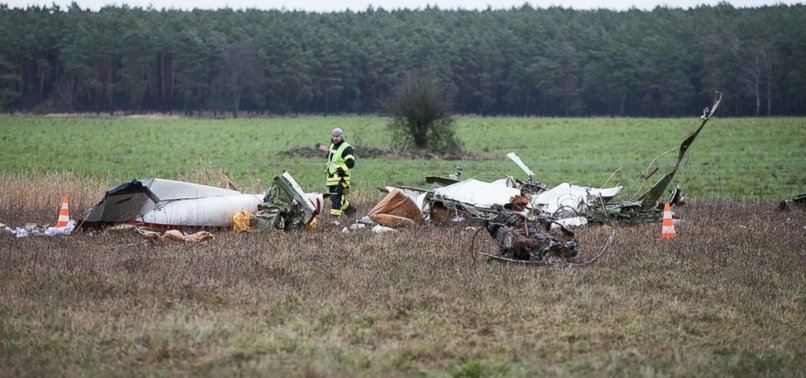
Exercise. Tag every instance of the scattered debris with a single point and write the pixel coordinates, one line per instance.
(286, 206)
(366, 220)
(529, 221)
(357, 226)
(242, 221)
(519, 215)
(64, 225)
(396, 210)
(521, 235)
(799, 201)
(162, 238)
(34, 229)
(565, 204)
(378, 229)
(648, 207)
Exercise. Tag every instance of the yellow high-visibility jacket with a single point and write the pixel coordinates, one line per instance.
(340, 156)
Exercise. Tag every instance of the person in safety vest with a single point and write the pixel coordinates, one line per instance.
(340, 161)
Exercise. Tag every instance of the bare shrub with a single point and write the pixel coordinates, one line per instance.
(420, 115)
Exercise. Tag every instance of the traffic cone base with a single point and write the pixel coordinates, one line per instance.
(64, 214)
(667, 232)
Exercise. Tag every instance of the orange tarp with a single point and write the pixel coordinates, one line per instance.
(396, 210)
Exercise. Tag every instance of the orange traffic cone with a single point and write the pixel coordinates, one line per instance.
(64, 214)
(667, 232)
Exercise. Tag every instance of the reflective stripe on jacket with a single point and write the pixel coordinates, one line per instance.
(336, 161)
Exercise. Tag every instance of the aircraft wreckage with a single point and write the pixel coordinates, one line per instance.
(161, 203)
(531, 222)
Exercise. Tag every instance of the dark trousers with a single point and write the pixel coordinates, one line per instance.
(338, 200)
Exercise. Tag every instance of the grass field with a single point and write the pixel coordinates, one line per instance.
(724, 298)
(736, 159)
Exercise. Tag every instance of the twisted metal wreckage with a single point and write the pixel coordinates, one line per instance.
(529, 222)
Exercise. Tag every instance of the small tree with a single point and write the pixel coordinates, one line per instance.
(420, 115)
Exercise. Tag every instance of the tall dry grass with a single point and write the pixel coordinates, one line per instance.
(726, 297)
(36, 198)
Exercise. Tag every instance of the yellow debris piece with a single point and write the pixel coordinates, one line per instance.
(242, 221)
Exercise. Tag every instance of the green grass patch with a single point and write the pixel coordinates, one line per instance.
(733, 158)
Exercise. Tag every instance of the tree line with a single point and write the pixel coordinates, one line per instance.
(518, 61)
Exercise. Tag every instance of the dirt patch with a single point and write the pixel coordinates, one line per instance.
(320, 151)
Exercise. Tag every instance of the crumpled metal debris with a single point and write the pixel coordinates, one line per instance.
(522, 228)
(565, 204)
(649, 207)
(284, 207)
(521, 235)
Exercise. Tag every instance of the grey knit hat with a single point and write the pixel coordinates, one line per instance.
(337, 132)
